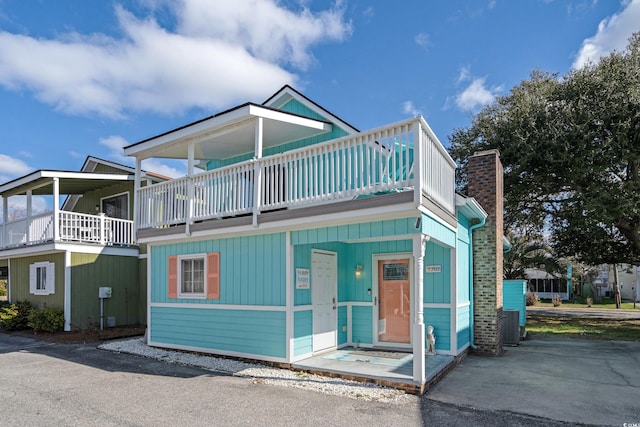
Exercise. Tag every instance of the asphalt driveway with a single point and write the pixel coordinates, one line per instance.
(578, 381)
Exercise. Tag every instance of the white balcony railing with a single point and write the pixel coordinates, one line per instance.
(369, 163)
(73, 227)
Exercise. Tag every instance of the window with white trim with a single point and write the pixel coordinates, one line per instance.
(42, 278)
(192, 276)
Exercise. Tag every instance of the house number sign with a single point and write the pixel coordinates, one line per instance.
(302, 278)
(433, 269)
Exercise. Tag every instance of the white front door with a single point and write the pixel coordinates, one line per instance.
(324, 294)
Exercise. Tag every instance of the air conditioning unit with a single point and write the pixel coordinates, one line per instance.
(511, 327)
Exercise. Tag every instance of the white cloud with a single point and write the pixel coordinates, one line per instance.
(613, 34)
(408, 107)
(476, 95)
(219, 53)
(10, 168)
(115, 144)
(423, 40)
(177, 171)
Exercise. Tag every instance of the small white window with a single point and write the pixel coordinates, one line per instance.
(191, 272)
(42, 278)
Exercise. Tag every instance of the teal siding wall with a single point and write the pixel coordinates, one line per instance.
(463, 326)
(440, 320)
(362, 325)
(245, 262)
(437, 286)
(437, 231)
(514, 297)
(245, 331)
(342, 324)
(294, 107)
(302, 332)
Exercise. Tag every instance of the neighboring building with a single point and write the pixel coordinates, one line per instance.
(60, 258)
(303, 235)
(602, 281)
(548, 285)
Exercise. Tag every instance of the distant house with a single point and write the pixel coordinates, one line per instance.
(302, 235)
(61, 257)
(547, 285)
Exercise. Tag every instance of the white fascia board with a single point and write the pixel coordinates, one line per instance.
(284, 117)
(219, 124)
(470, 207)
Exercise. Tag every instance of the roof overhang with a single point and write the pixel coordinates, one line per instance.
(229, 134)
(41, 182)
(470, 208)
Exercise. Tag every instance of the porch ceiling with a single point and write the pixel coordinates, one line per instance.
(229, 134)
(41, 183)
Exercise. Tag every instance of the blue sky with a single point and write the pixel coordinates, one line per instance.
(82, 78)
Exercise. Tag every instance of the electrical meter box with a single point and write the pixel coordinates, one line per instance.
(104, 292)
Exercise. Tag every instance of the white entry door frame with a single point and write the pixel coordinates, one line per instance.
(324, 297)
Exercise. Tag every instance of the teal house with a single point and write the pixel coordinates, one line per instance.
(294, 234)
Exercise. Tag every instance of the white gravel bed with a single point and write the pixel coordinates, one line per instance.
(263, 374)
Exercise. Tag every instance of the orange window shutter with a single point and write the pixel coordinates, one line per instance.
(213, 275)
(173, 277)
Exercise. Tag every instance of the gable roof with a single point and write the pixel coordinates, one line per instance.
(286, 93)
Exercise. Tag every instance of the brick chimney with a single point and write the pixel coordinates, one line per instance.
(485, 177)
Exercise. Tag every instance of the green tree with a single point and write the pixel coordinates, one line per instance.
(527, 254)
(571, 150)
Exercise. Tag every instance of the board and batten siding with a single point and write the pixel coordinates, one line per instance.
(514, 297)
(252, 269)
(302, 332)
(251, 332)
(440, 319)
(437, 285)
(88, 202)
(19, 280)
(462, 326)
(92, 271)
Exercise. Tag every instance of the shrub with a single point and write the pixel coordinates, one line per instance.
(556, 300)
(532, 298)
(3, 288)
(49, 319)
(16, 316)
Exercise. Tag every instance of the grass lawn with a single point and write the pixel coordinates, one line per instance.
(583, 327)
(607, 303)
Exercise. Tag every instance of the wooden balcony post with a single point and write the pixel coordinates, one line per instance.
(190, 190)
(418, 165)
(56, 209)
(102, 230)
(136, 197)
(29, 213)
(257, 171)
(5, 219)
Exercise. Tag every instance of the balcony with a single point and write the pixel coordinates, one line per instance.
(71, 228)
(405, 156)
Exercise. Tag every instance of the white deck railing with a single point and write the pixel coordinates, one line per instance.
(369, 163)
(73, 227)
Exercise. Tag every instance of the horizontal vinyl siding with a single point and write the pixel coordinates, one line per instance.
(440, 319)
(251, 332)
(302, 332)
(252, 269)
(463, 326)
(362, 325)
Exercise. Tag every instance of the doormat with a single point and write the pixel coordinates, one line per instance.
(378, 353)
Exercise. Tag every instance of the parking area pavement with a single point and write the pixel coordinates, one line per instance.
(578, 381)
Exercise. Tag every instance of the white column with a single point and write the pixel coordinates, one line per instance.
(419, 374)
(289, 280)
(5, 219)
(67, 291)
(190, 191)
(29, 213)
(136, 198)
(56, 209)
(257, 171)
(418, 165)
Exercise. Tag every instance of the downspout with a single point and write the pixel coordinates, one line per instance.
(473, 227)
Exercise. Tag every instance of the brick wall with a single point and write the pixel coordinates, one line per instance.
(485, 175)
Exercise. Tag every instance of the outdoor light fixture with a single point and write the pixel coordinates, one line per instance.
(358, 271)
